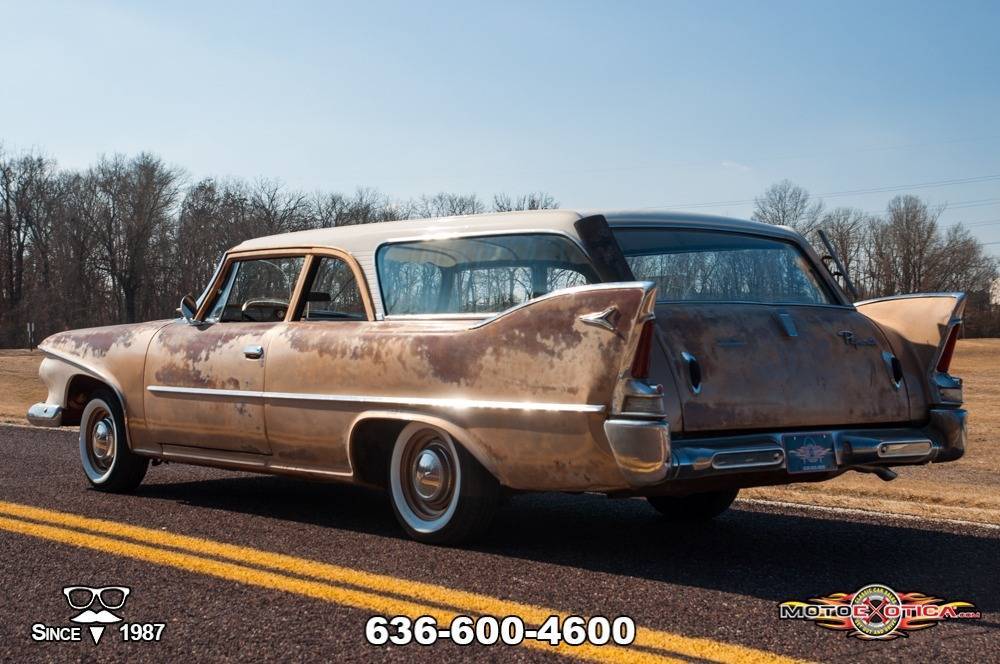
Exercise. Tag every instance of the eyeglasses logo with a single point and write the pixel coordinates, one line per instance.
(83, 598)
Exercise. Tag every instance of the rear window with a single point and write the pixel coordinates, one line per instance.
(477, 274)
(713, 266)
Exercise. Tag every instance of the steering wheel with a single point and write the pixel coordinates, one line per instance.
(277, 308)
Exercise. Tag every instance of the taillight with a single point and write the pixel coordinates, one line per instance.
(640, 363)
(949, 349)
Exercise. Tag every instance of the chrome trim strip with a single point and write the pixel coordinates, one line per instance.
(395, 401)
(311, 471)
(391, 317)
(184, 453)
(776, 461)
(909, 296)
(905, 448)
(172, 453)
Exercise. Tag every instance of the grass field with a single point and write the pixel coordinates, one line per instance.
(967, 489)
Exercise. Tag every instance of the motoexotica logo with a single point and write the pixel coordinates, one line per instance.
(877, 612)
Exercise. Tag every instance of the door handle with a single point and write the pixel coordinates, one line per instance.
(253, 352)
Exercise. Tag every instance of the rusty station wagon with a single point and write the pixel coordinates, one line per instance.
(672, 356)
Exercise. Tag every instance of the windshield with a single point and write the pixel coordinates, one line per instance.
(720, 266)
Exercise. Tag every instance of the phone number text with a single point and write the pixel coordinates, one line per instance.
(509, 630)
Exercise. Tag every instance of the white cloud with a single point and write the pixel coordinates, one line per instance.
(736, 166)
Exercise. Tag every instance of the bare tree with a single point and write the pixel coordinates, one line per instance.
(122, 240)
(130, 213)
(448, 205)
(536, 200)
(847, 229)
(366, 206)
(787, 204)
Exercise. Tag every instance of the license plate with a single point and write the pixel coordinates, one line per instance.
(809, 452)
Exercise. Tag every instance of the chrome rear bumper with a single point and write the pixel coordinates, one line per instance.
(942, 439)
(45, 415)
(647, 455)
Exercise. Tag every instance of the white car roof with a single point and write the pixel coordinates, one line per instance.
(366, 237)
(362, 240)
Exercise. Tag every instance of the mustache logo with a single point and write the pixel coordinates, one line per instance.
(84, 599)
(89, 617)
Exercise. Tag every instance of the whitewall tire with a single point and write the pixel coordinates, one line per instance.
(439, 492)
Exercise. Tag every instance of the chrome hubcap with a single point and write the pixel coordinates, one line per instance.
(428, 478)
(102, 440)
(428, 471)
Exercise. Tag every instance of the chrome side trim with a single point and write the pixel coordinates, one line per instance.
(310, 471)
(197, 455)
(240, 460)
(395, 401)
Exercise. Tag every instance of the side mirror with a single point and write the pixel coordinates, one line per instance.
(189, 309)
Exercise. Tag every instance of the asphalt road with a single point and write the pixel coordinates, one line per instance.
(585, 555)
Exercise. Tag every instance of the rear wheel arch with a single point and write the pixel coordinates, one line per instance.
(373, 434)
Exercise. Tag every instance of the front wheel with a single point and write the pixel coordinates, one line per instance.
(107, 461)
(695, 507)
(440, 493)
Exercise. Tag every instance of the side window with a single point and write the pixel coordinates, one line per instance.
(332, 293)
(478, 274)
(257, 290)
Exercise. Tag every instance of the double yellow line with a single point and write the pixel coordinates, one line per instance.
(374, 593)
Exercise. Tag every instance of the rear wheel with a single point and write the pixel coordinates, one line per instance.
(107, 461)
(695, 507)
(439, 492)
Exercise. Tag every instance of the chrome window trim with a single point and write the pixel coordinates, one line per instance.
(909, 296)
(756, 303)
(395, 401)
(436, 316)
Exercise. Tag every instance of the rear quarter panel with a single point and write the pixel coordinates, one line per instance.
(538, 353)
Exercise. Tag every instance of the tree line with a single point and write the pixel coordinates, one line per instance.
(123, 239)
(902, 250)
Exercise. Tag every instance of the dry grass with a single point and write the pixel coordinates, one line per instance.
(967, 489)
(19, 384)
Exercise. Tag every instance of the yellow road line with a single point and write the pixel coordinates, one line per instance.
(379, 604)
(462, 601)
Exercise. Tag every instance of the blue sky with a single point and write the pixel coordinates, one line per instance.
(602, 104)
